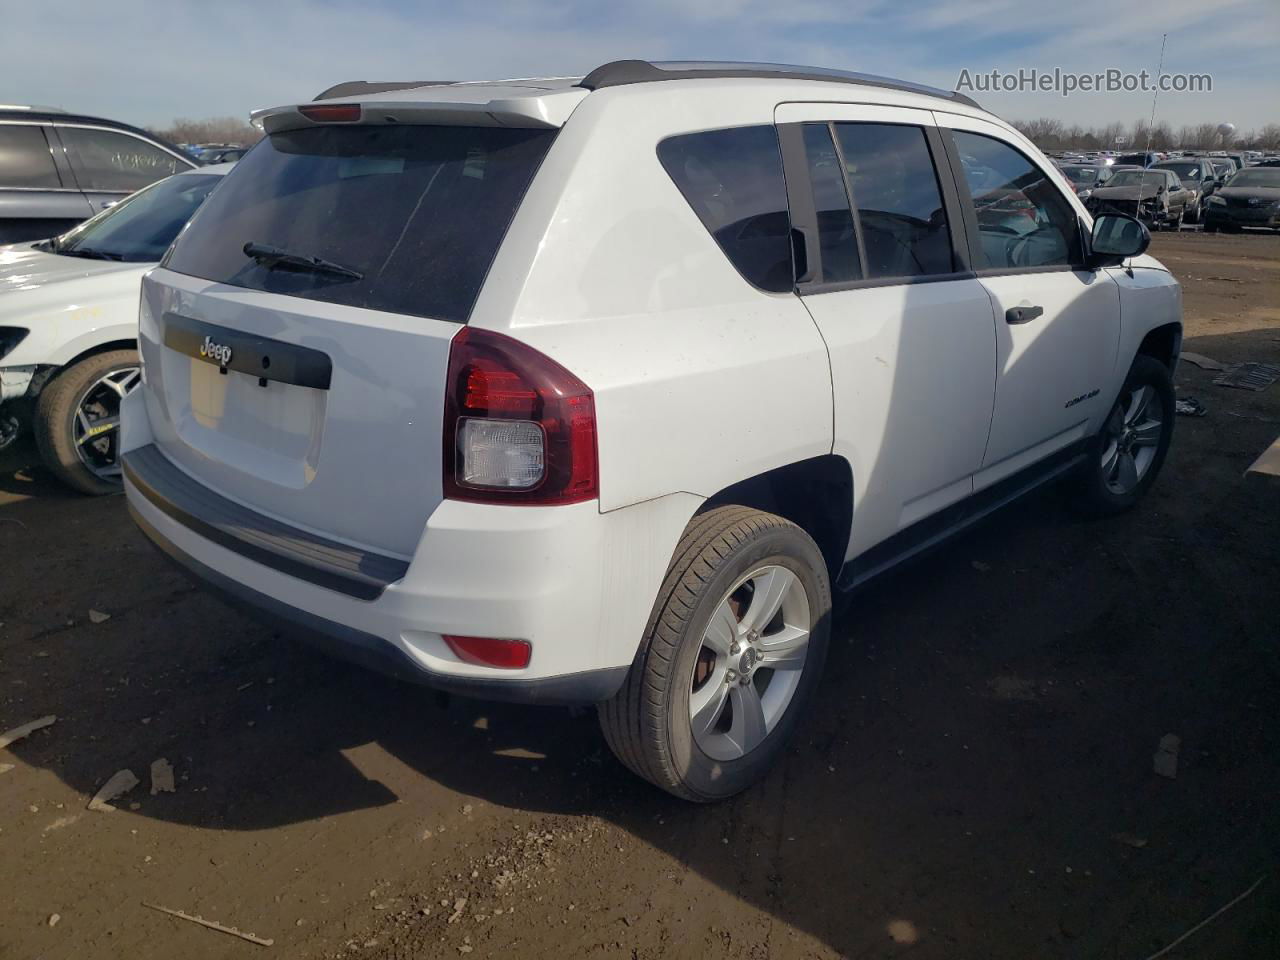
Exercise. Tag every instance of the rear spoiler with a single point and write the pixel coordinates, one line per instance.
(356, 88)
(458, 104)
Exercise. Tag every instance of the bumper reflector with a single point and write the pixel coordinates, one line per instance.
(491, 652)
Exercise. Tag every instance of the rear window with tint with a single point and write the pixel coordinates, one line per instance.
(418, 211)
(733, 180)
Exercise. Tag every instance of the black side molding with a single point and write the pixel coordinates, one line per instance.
(262, 539)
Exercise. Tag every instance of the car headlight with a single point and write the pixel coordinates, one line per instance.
(1216, 201)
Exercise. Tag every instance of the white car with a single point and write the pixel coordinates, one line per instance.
(69, 326)
(598, 390)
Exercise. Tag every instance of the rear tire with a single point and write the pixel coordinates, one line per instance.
(729, 563)
(1126, 455)
(57, 428)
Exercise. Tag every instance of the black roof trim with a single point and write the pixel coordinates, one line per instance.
(352, 88)
(624, 72)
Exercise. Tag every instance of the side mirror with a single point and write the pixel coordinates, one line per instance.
(1116, 237)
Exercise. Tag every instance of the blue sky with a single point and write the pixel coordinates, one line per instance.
(148, 62)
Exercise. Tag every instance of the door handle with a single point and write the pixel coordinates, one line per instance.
(1022, 314)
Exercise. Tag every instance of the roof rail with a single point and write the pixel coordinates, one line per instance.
(624, 72)
(352, 88)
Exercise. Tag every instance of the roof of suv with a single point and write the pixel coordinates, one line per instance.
(548, 101)
(627, 72)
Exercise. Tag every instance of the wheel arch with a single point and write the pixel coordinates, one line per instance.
(48, 373)
(1164, 343)
(815, 494)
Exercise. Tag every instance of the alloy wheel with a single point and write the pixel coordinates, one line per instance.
(750, 662)
(95, 431)
(1132, 438)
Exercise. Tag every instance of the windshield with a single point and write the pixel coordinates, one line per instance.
(1081, 174)
(1135, 178)
(139, 228)
(413, 214)
(1265, 177)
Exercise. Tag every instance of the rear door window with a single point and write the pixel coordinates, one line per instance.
(733, 181)
(116, 162)
(25, 160)
(418, 212)
(897, 198)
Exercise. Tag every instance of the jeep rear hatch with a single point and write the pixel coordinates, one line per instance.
(297, 340)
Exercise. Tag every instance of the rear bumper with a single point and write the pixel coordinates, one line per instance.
(575, 583)
(373, 652)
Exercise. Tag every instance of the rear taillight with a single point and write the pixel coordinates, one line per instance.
(518, 427)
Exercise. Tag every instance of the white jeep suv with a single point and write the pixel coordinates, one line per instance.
(596, 390)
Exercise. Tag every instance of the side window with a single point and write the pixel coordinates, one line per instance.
(897, 198)
(1023, 219)
(25, 160)
(836, 237)
(733, 181)
(102, 160)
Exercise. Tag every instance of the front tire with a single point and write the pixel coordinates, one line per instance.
(730, 659)
(1126, 455)
(77, 422)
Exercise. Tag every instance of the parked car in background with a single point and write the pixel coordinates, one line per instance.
(1197, 175)
(57, 169)
(69, 321)
(1142, 159)
(1223, 169)
(423, 383)
(1086, 177)
(1156, 197)
(222, 154)
(1250, 199)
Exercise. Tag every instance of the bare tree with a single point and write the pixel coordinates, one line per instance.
(214, 130)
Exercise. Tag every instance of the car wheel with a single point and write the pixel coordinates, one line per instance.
(1210, 227)
(77, 422)
(730, 659)
(1126, 455)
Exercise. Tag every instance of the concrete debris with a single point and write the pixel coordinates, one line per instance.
(53, 919)
(161, 776)
(5, 767)
(1189, 407)
(20, 733)
(121, 782)
(97, 616)
(1165, 761)
(459, 907)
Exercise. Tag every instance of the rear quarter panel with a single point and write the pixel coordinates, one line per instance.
(700, 379)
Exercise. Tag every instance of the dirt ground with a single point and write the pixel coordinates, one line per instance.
(984, 733)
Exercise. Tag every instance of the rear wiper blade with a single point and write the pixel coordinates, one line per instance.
(270, 256)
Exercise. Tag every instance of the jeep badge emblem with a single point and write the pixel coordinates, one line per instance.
(218, 352)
